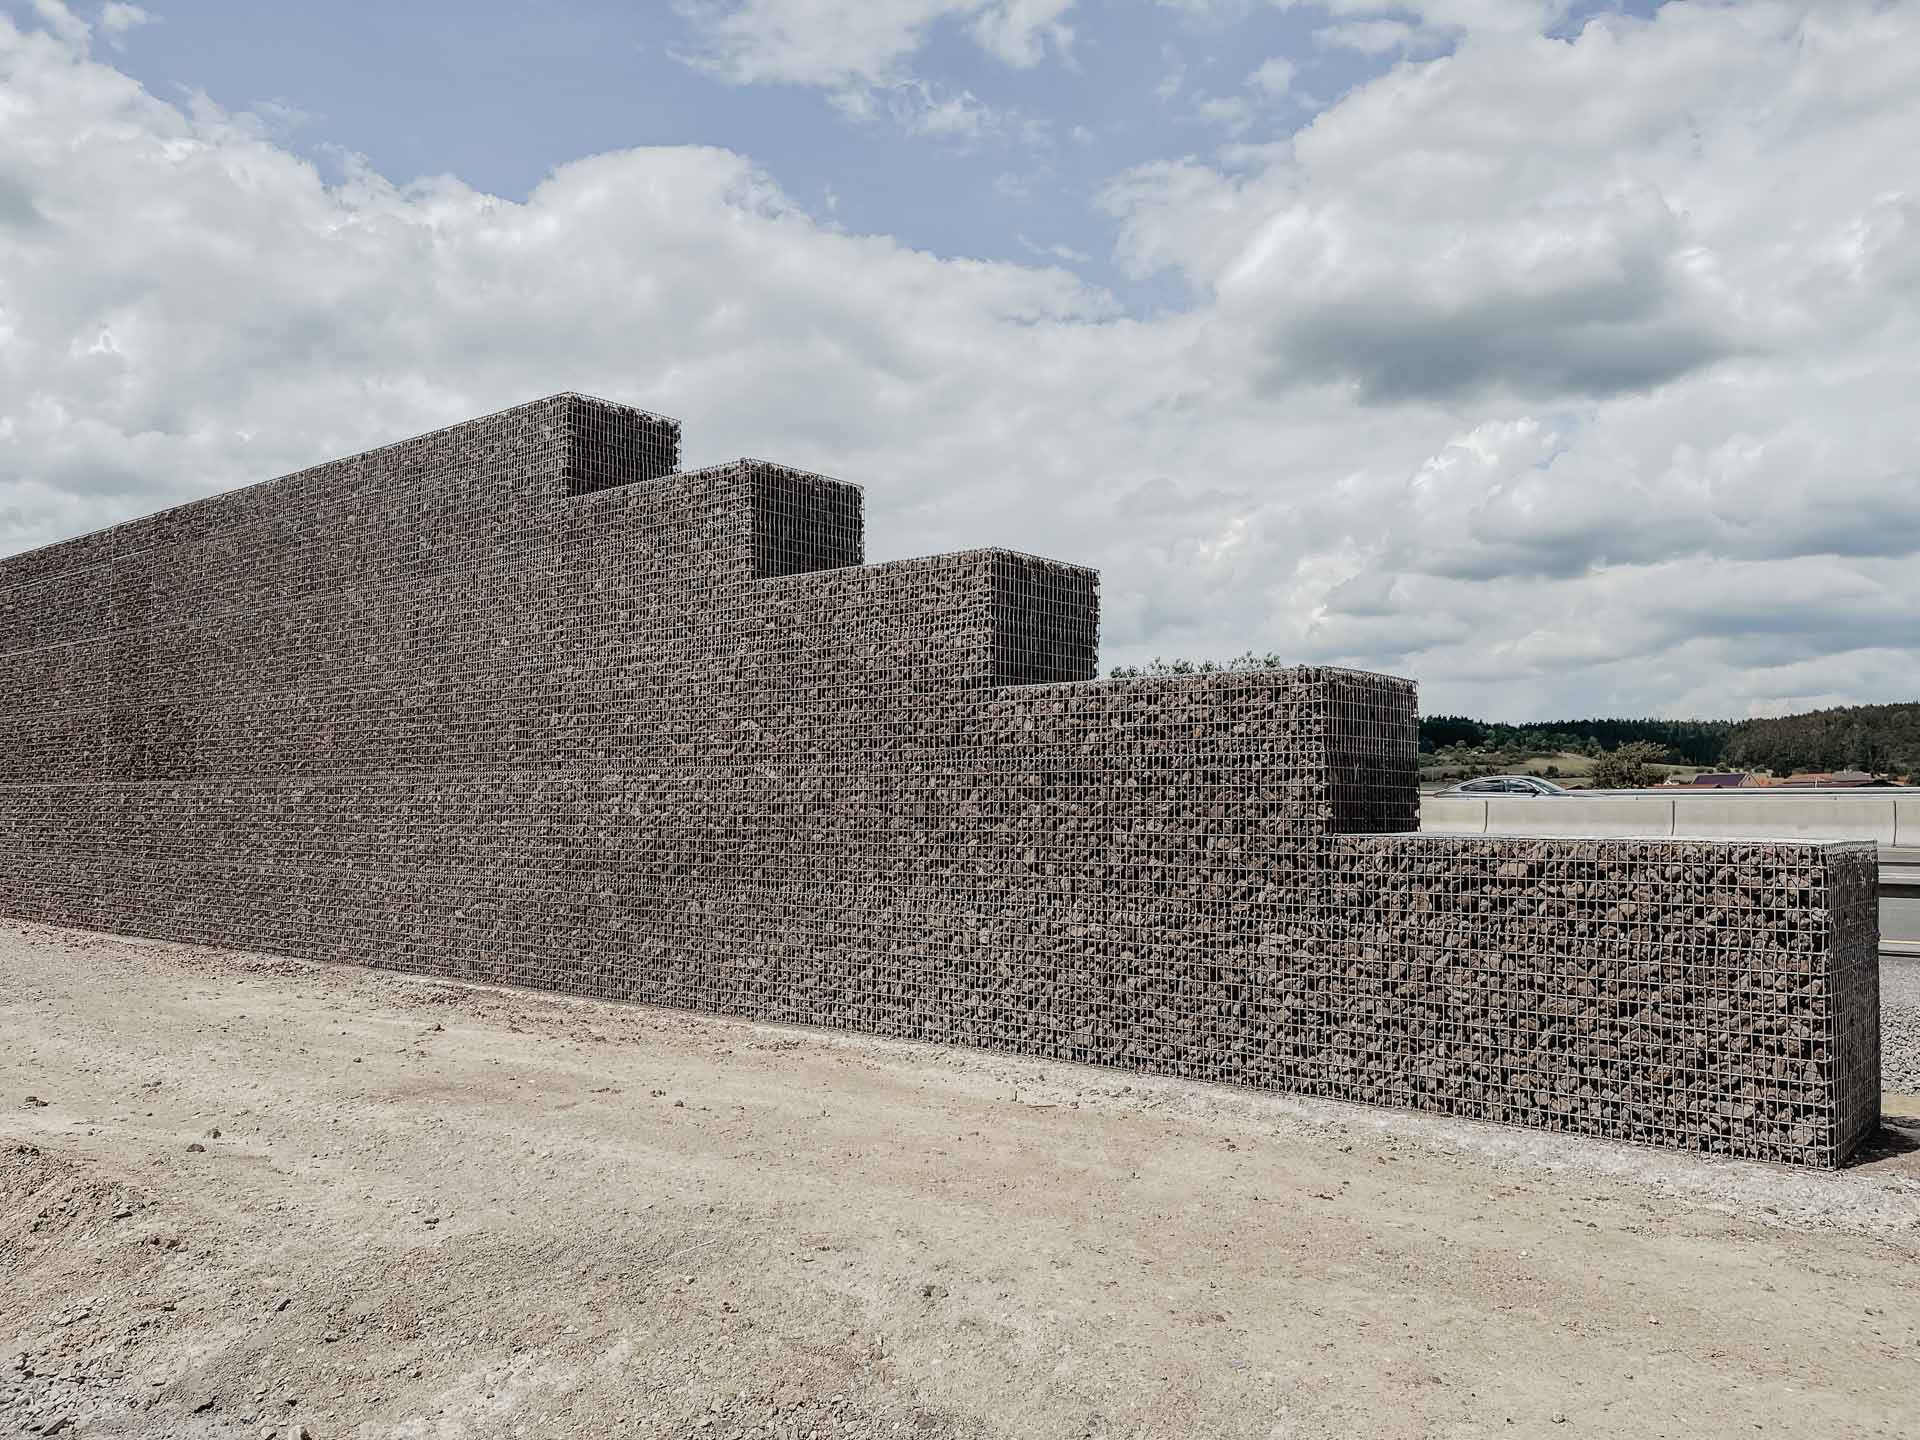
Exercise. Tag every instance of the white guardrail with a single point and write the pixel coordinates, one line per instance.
(1891, 819)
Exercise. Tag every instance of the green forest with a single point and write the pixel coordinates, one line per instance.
(1881, 739)
(1689, 742)
(1877, 738)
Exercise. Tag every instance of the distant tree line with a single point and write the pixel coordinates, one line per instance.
(1877, 738)
(1685, 742)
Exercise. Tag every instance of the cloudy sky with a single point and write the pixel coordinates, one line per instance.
(1562, 356)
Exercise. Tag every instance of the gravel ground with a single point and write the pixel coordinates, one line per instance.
(1900, 1025)
(252, 1194)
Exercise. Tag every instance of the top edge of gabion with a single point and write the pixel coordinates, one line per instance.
(1223, 677)
(1561, 837)
(939, 557)
(1007, 552)
(622, 405)
(146, 516)
(753, 462)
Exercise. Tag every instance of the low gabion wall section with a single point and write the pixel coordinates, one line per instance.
(1699, 994)
(522, 701)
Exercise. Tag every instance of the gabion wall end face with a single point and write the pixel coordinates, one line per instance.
(522, 701)
(1852, 994)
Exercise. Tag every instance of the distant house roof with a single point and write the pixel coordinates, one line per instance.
(1835, 779)
(1721, 780)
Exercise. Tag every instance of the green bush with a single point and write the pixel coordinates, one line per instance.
(1628, 766)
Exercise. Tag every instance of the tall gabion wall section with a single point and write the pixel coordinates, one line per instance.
(522, 701)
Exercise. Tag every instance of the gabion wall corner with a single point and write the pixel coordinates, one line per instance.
(523, 701)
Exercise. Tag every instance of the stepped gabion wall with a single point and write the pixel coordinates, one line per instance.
(521, 701)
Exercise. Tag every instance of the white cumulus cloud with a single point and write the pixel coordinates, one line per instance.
(860, 52)
(117, 18)
(1564, 374)
(1274, 77)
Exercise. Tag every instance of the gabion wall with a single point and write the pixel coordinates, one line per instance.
(520, 701)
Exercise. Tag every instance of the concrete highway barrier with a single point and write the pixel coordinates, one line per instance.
(1610, 815)
(1453, 814)
(1906, 823)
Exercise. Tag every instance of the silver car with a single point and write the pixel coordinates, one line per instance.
(1505, 785)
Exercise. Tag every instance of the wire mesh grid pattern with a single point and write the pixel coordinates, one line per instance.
(521, 701)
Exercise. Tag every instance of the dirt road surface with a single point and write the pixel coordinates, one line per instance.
(437, 1210)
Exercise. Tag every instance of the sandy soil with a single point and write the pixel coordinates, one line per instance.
(434, 1210)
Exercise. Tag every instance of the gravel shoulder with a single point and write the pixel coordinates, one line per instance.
(1900, 1023)
(435, 1210)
